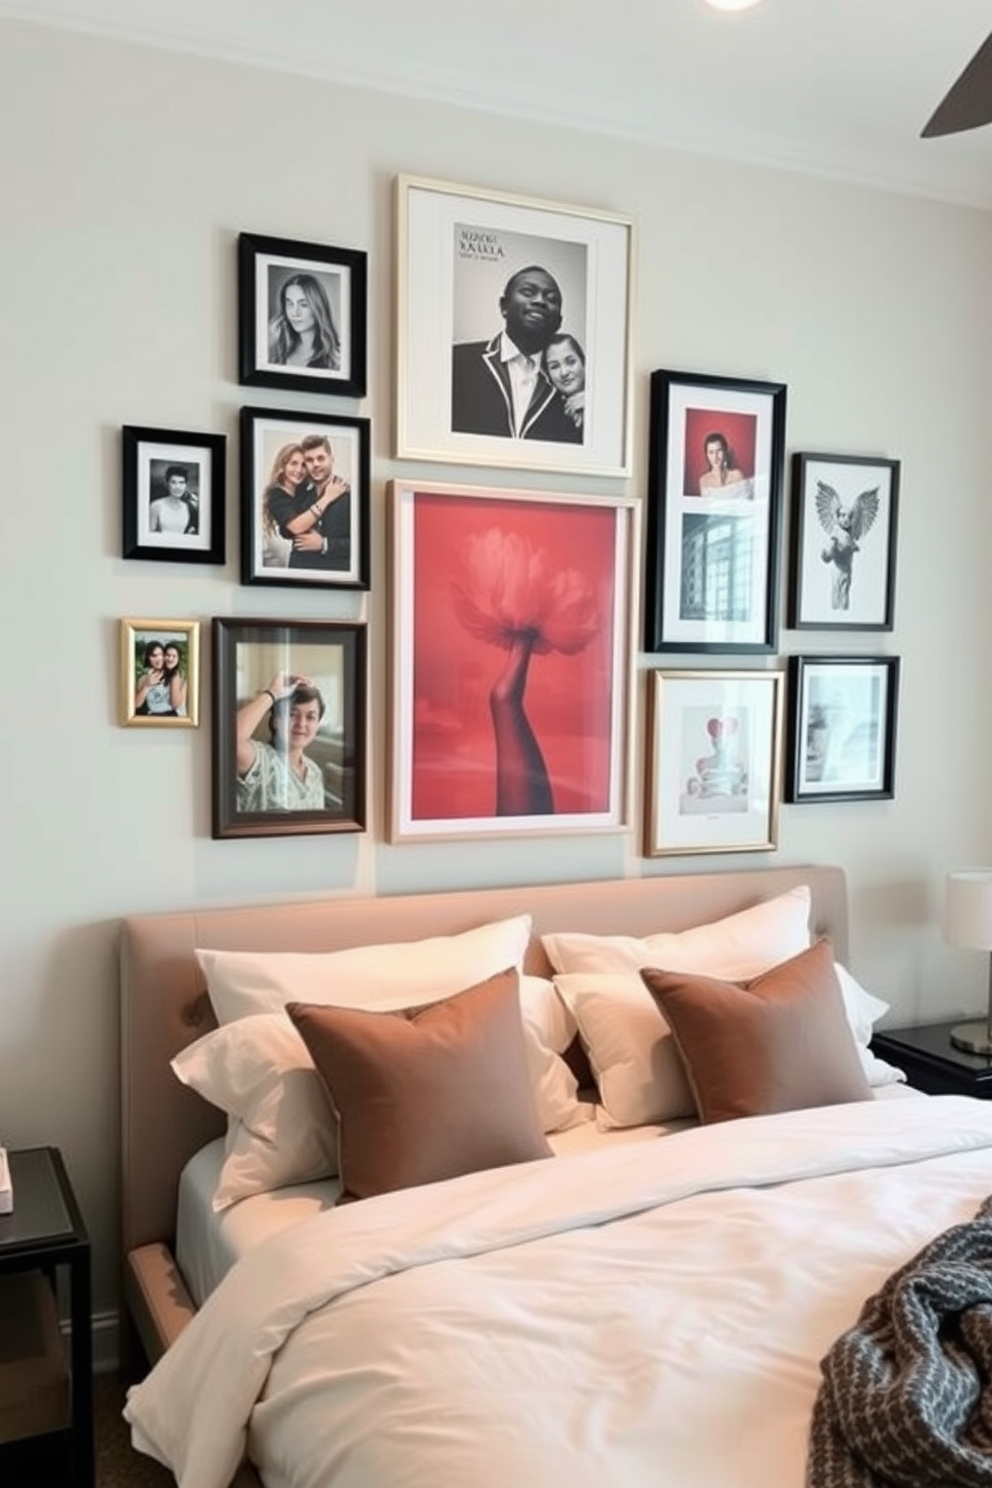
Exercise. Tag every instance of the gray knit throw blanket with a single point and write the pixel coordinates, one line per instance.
(906, 1395)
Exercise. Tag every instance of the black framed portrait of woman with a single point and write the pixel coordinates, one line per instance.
(301, 316)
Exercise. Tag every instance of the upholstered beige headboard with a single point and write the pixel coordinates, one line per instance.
(164, 1005)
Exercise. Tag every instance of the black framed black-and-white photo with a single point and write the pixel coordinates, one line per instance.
(173, 488)
(304, 499)
(844, 511)
(717, 449)
(513, 343)
(842, 728)
(289, 727)
(302, 316)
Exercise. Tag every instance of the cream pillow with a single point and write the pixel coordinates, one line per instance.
(280, 1126)
(738, 947)
(634, 1059)
(379, 978)
(281, 1129)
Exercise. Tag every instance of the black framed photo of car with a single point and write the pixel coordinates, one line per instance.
(173, 490)
(302, 311)
(842, 728)
(716, 458)
(304, 499)
(844, 517)
(289, 727)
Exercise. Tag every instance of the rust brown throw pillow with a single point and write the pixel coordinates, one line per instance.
(781, 1042)
(427, 1094)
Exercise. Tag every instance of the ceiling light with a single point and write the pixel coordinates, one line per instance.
(731, 4)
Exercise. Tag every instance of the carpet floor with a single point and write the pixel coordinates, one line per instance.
(41, 1463)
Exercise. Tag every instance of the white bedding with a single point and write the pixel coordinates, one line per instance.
(653, 1313)
(208, 1244)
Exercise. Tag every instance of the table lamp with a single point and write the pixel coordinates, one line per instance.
(968, 923)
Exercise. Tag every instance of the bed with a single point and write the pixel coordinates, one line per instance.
(635, 1301)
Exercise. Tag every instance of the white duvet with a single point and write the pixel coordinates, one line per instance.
(651, 1316)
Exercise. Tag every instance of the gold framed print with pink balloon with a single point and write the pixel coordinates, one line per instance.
(714, 762)
(512, 653)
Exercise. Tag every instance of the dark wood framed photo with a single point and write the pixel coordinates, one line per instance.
(842, 728)
(160, 673)
(714, 513)
(304, 499)
(289, 727)
(173, 487)
(302, 316)
(844, 511)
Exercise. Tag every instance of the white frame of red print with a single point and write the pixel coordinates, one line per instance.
(512, 653)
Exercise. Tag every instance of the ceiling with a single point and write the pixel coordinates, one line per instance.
(838, 87)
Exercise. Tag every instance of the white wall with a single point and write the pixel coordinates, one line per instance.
(125, 177)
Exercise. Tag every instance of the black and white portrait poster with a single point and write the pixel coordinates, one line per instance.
(513, 336)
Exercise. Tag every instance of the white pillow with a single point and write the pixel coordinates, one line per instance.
(633, 1057)
(635, 1061)
(736, 948)
(281, 1128)
(379, 978)
(863, 1012)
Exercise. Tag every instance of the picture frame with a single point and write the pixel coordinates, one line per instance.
(305, 481)
(264, 672)
(173, 487)
(717, 449)
(156, 688)
(714, 762)
(844, 522)
(842, 728)
(302, 316)
(512, 653)
(461, 256)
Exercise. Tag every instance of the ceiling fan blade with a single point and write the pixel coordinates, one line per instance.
(969, 103)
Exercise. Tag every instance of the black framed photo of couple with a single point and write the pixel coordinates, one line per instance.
(511, 654)
(842, 728)
(844, 513)
(304, 499)
(289, 727)
(717, 449)
(714, 762)
(173, 488)
(159, 673)
(513, 331)
(302, 310)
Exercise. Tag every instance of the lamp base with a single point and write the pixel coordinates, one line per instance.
(974, 1038)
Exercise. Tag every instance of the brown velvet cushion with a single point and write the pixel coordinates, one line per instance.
(781, 1042)
(427, 1094)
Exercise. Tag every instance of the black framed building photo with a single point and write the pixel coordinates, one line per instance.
(842, 728)
(714, 513)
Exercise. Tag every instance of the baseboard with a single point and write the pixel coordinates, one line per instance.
(106, 1341)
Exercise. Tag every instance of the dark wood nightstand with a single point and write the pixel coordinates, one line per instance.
(931, 1061)
(42, 1237)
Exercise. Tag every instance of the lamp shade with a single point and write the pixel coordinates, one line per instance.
(968, 908)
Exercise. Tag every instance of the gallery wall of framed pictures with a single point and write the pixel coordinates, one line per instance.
(513, 611)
